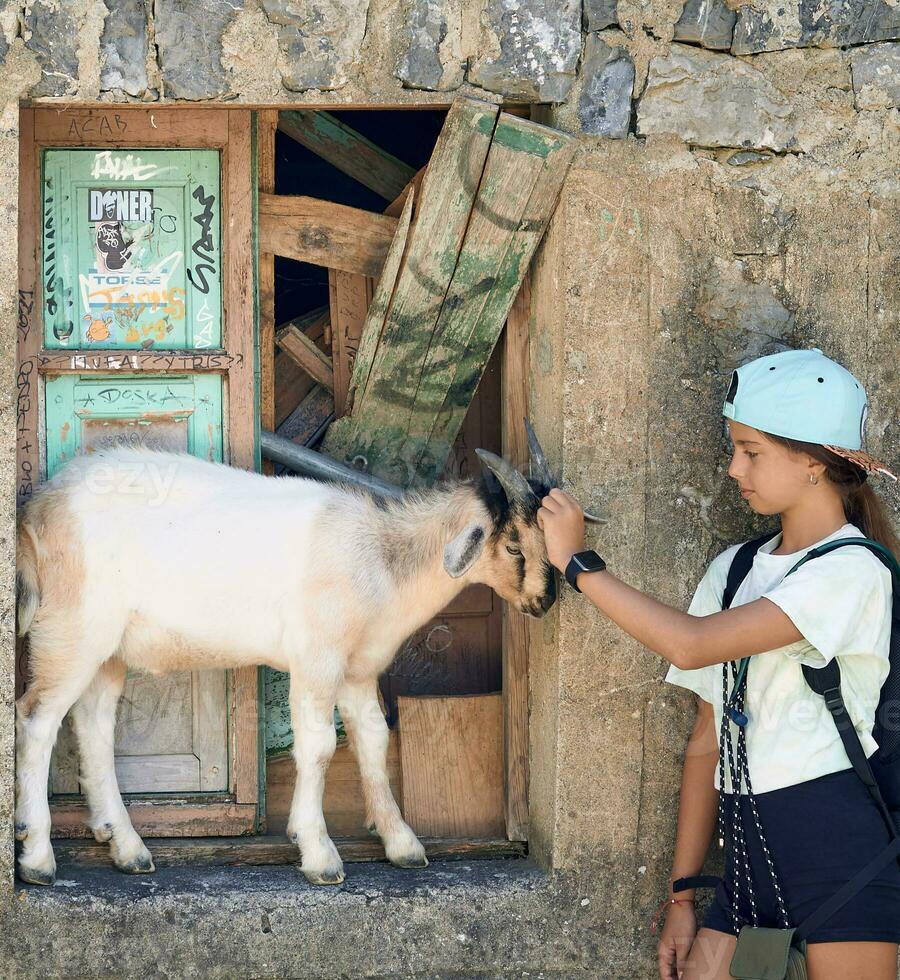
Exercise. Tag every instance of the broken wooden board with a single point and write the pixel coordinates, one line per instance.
(460, 275)
(338, 237)
(347, 150)
(305, 354)
(451, 760)
(445, 204)
(292, 384)
(310, 419)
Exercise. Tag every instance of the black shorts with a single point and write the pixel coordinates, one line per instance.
(820, 833)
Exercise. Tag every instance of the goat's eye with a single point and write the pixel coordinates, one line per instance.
(514, 549)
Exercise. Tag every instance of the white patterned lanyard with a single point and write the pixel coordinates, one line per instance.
(733, 712)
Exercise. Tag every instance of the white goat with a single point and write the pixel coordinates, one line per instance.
(160, 561)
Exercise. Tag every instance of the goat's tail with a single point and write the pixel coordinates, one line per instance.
(28, 590)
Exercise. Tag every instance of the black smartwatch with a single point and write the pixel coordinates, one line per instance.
(583, 561)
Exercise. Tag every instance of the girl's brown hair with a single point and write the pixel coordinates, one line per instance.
(862, 506)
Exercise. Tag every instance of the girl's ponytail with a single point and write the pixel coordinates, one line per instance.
(862, 506)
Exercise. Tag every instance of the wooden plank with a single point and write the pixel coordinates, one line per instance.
(190, 818)
(333, 235)
(378, 308)
(514, 408)
(28, 463)
(131, 361)
(309, 420)
(266, 125)
(242, 407)
(208, 694)
(133, 127)
(522, 180)
(350, 298)
(273, 849)
(442, 215)
(292, 384)
(451, 754)
(294, 342)
(347, 150)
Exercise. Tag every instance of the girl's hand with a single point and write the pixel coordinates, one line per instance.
(562, 521)
(676, 940)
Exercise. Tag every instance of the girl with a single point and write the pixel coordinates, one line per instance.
(796, 421)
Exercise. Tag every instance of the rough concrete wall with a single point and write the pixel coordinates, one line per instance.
(737, 187)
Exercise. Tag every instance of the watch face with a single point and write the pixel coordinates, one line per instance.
(590, 561)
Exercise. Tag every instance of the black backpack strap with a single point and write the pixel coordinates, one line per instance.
(826, 681)
(740, 566)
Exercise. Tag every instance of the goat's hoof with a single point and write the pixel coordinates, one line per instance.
(372, 829)
(329, 876)
(103, 834)
(21, 831)
(410, 861)
(141, 865)
(37, 876)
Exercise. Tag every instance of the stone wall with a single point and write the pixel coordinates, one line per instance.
(737, 189)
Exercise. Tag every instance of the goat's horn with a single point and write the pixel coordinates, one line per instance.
(512, 481)
(540, 466)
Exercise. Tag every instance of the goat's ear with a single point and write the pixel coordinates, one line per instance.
(463, 551)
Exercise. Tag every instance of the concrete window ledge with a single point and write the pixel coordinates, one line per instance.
(479, 918)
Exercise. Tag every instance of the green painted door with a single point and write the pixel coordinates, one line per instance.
(131, 249)
(171, 731)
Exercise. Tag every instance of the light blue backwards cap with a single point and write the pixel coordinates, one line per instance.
(802, 394)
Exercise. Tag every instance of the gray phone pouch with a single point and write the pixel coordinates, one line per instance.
(767, 954)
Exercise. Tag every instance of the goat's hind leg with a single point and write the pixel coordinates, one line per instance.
(94, 720)
(39, 713)
(368, 733)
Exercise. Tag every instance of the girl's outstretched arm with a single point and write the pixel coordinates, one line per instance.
(684, 640)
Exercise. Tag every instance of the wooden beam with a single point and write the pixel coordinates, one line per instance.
(514, 408)
(347, 150)
(324, 233)
(292, 384)
(291, 339)
(350, 297)
(272, 849)
(266, 124)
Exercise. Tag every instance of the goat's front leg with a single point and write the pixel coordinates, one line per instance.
(368, 733)
(312, 717)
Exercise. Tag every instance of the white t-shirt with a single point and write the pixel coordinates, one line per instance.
(841, 603)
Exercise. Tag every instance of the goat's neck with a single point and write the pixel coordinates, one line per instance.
(414, 536)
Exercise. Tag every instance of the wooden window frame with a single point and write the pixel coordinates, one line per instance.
(236, 812)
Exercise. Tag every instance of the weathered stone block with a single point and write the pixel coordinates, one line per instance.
(713, 100)
(775, 24)
(604, 106)
(432, 59)
(876, 76)
(52, 36)
(599, 14)
(745, 318)
(320, 39)
(539, 45)
(123, 47)
(706, 22)
(189, 38)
